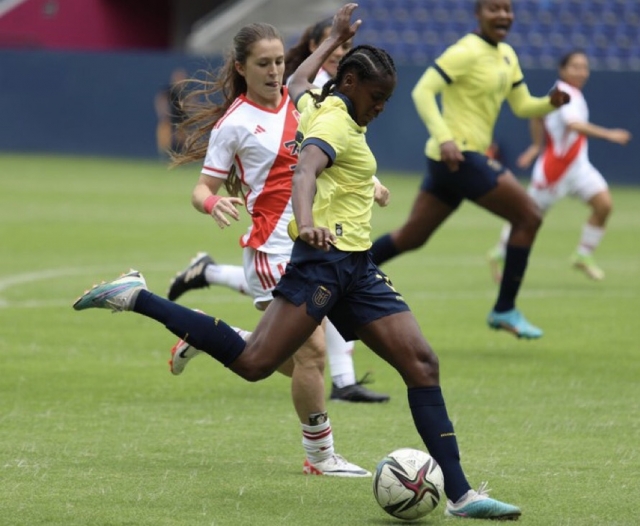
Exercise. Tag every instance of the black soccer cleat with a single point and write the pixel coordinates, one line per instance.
(357, 393)
(191, 278)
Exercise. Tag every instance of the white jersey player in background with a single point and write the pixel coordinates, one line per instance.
(203, 271)
(248, 145)
(563, 168)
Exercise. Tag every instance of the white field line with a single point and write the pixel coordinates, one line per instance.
(449, 295)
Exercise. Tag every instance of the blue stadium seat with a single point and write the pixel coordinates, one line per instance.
(543, 29)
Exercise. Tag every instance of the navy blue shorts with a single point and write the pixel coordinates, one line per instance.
(347, 287)
(477, 175)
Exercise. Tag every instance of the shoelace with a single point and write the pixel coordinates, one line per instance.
(483, 490)
(365, 379)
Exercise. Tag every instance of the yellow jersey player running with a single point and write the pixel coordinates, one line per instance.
(474, 77)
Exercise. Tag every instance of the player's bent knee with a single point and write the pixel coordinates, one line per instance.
(254, 368)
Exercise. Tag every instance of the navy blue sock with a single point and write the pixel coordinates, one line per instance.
(515, 265)
(435, 428)
(383, 249)
(207, 334)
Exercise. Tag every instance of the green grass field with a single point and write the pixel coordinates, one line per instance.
(95, 431)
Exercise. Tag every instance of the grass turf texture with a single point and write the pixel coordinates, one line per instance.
(94, 429)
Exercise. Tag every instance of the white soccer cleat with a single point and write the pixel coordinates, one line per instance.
(117, 295)
(478, 505)
(334, 466)
(181, 353)
(588, 265)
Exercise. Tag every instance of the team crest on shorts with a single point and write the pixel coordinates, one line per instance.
(321, 296)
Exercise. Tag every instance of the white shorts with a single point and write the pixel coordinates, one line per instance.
(263, 272)
(582, 180)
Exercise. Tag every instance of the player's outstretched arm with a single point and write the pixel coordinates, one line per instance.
(615, 135)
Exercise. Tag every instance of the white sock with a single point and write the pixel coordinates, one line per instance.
(231, 276)
(242, 333)
(340, 356)
(591, 237)
(317, 441)
(504, 237)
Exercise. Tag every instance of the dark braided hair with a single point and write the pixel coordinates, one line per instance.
(368, 62)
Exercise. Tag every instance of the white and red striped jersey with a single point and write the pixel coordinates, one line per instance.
(563, 146)
(260, 143)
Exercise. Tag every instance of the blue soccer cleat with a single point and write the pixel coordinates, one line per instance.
(117, 295)
(478, 505)
(514, 322)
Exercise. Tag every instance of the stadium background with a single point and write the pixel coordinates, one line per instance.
(80, 76)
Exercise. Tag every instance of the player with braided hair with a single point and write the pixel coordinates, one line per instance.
(331, 272)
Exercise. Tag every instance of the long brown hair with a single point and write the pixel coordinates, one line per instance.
(207, 99)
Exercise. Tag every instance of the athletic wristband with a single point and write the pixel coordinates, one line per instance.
(376, 180)
(210, 202)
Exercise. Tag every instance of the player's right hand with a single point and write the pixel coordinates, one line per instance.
(450, 155)
(527, 157)
(226, 206)
(317, 237)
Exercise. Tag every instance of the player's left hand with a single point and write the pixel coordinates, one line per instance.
(318, 237)
(342, 28)
(558, 97)
(381, 194)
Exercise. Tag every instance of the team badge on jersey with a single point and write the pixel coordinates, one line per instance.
(321, 296)
(338, 229)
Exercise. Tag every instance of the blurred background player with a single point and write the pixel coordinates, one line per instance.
(475, 76)
(563, 167)
(252, 132)
(203, 271)
(169, 136)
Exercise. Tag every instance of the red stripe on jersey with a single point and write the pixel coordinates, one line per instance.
(274, 198)
(217, 170)
(554, 166)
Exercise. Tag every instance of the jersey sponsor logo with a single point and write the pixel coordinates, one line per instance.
(259, 129)
(339, 229)
(321, 296)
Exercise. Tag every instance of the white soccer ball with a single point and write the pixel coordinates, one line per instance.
(408, 483)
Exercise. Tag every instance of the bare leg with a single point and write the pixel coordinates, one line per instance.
(427, 214)
(307, 382)
(510, 201)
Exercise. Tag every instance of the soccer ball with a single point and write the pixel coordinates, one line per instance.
(408, 483)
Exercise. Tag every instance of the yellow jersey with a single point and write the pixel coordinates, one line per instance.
(345, 189)
(474, 77)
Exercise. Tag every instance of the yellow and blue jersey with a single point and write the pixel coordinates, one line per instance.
(345, 189)
(474, 77)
